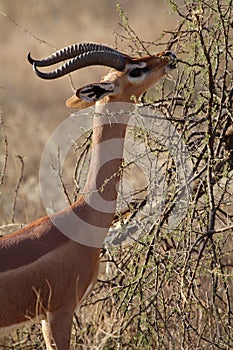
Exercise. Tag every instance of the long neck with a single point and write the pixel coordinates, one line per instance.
(97, 205)
(106, 160)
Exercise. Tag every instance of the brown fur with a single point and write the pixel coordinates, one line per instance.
(43, 273)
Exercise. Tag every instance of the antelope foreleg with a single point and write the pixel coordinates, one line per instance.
(57, 329)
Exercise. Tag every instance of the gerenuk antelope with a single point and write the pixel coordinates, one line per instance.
(44, 272)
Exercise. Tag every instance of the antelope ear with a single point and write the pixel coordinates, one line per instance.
(95, 92)
(76, 102)
(89, 94)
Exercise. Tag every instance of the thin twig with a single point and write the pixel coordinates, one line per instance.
(3, 172)
(17, 188)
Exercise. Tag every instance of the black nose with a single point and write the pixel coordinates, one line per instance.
(170, 54)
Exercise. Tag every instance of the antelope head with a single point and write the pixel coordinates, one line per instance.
(128, 77)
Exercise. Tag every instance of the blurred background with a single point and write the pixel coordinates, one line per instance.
(32, 108)
(171, 289)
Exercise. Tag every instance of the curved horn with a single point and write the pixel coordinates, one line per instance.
(81, 55)
(109, 59)
(69, 52)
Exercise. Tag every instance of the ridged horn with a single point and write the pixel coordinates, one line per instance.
(69, 52)
(81, 55)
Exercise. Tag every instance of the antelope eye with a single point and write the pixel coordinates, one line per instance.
(135, 73)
